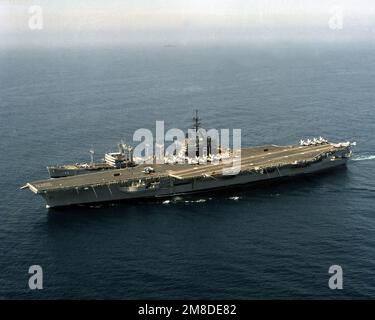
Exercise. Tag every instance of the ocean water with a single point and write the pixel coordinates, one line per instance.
(275, 241)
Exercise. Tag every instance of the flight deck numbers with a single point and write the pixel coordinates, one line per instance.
(209, 309)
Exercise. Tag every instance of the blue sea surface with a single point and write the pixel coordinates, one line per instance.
(274, 241)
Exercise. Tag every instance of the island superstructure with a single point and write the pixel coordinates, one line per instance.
(262, 163)
(112, 160)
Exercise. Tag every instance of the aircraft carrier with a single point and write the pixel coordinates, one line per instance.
(261, 163)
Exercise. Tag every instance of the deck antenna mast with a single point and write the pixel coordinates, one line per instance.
(196, 127)
(196, 121)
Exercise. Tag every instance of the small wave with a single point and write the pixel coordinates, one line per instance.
(95, 206)
(196, 201)
(113, 204)
(181, 200)
(363, 157)
(234, 198)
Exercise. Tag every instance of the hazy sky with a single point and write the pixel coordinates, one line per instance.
(84, 22)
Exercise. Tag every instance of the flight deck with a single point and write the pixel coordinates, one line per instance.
(251, 158)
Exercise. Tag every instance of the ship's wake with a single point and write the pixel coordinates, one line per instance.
(363, 157)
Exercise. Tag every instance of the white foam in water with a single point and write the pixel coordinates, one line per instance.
(195, 201)
(200, 200)
(234, 198)
(166, 201)
(95, 206)
(363, 157)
